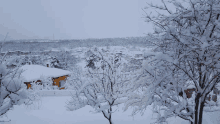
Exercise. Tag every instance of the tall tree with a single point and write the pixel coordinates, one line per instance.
(186, 52)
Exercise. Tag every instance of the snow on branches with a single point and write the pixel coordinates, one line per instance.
(103, 85)
(186, 52)
(12, 89)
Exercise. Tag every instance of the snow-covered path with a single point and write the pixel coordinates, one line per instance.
(53, 111)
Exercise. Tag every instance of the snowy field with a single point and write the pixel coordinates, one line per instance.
(56, 92)
(51, 110)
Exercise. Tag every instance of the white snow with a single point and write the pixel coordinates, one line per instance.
(191, 86)
(55, 92)
(36, 72)
(51, 110)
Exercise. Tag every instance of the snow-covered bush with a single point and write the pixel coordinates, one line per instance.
(34, 99)
(36, 86)
(47, 83)
(75, 79)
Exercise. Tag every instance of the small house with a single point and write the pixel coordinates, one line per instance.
(191, 88)
(35, 73)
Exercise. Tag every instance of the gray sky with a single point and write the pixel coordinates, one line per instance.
(72, 19)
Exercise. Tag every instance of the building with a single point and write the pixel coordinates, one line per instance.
(213, 96)
(35, 73)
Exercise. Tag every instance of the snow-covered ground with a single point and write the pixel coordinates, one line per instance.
(51, 110)
(56, 92)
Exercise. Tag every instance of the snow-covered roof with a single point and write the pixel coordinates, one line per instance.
(36, 72)
(190, 86)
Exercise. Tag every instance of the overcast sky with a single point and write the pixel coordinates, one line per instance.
(72, 19)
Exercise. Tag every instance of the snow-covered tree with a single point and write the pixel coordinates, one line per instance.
(63, 60)
(185, 55)
(103, 86)
(13, 90)
(16, 61)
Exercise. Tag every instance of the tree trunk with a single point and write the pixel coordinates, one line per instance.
(198, 109)
(110, 120)
(110, 115)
